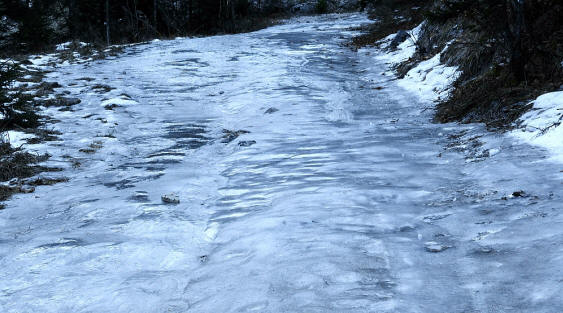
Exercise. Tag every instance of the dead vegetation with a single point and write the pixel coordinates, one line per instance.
(17, 165)
(47, 181)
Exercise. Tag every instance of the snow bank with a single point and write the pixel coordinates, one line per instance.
(542, 125)
(430, 80)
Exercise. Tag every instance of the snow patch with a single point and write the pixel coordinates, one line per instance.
(41, 60)
(430, 79)
(17, 138)
(66, 45)
(542, 125)
(404, 51)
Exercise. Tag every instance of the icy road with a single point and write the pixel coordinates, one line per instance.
(307, 180)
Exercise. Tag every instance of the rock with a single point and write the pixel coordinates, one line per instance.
(516, 194)
(247, 143)
(111, 106)
(87, 150)
(230, 135)
(406, 228)
(271, 110)
(60, 102)
(49, 85)
(69, 101)
(399, 38)
(171, 198)
(434, 247)
(519, 194)
(102, 88)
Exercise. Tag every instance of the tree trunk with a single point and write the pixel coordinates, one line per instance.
(107, 23)
(190, 13)
(517, 28)
(154, 13)
(232, 10)
(73, 20)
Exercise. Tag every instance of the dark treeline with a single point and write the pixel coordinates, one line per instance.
(28, 25)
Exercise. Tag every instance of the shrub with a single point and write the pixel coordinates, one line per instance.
(15, 108)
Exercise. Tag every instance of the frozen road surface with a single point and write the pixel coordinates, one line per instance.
(308, 182)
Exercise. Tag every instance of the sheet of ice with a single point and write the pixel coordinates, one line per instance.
(121, 100)
(542, 125)
(324, 205)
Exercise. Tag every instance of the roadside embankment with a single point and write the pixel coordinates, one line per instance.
(487, 61)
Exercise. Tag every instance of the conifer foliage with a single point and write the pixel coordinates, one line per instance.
(44, 22)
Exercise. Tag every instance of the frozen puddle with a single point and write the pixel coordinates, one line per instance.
(300, 187)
